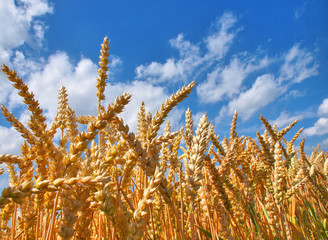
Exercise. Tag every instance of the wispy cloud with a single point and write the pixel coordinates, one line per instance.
(286, 118)
(219, 42)
(227, 80)
(173, 69)
(299, 11)
(190, 57)
(298, 65)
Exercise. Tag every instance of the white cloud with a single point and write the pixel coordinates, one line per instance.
(263, 91)
(190, 57)
(227, 81)
(319, 128)
(35, 8)
(153, 97)
(18, 24)
(24, 66)
(196, 117)
(299, 11)
(176, 118)
(172, 69)
(185, 47)
(115, 62)
(293, 94)
(218, 43)
(323, 108)
(5, 88)
(298, 65)
(10, 141)
(285, 118)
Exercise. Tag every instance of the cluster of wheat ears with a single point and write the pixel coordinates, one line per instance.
(107, 182)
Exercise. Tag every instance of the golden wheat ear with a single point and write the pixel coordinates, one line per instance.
(37, 121)
(166, 107)
(102, 71)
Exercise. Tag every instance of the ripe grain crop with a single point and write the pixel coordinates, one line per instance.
(107, 182)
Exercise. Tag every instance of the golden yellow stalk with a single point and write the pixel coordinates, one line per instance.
(233, 133)
(102, 71)
(195, 157)
(281, 133)
(9, 158)
(279, 174)
(62, 108)
(141, 212)
(37, 120)
(189, 132)
(142, 123)
(166, 107)
(26, 134)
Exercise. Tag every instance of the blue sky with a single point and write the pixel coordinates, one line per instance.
(258, 57)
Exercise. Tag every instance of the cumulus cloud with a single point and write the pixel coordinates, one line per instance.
(323, 108)
(264, 90)
(296, 65)
(24, 66)
(45, 80)
(19, 24)
(319, 128)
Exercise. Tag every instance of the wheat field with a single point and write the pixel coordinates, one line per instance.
(107, 182)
